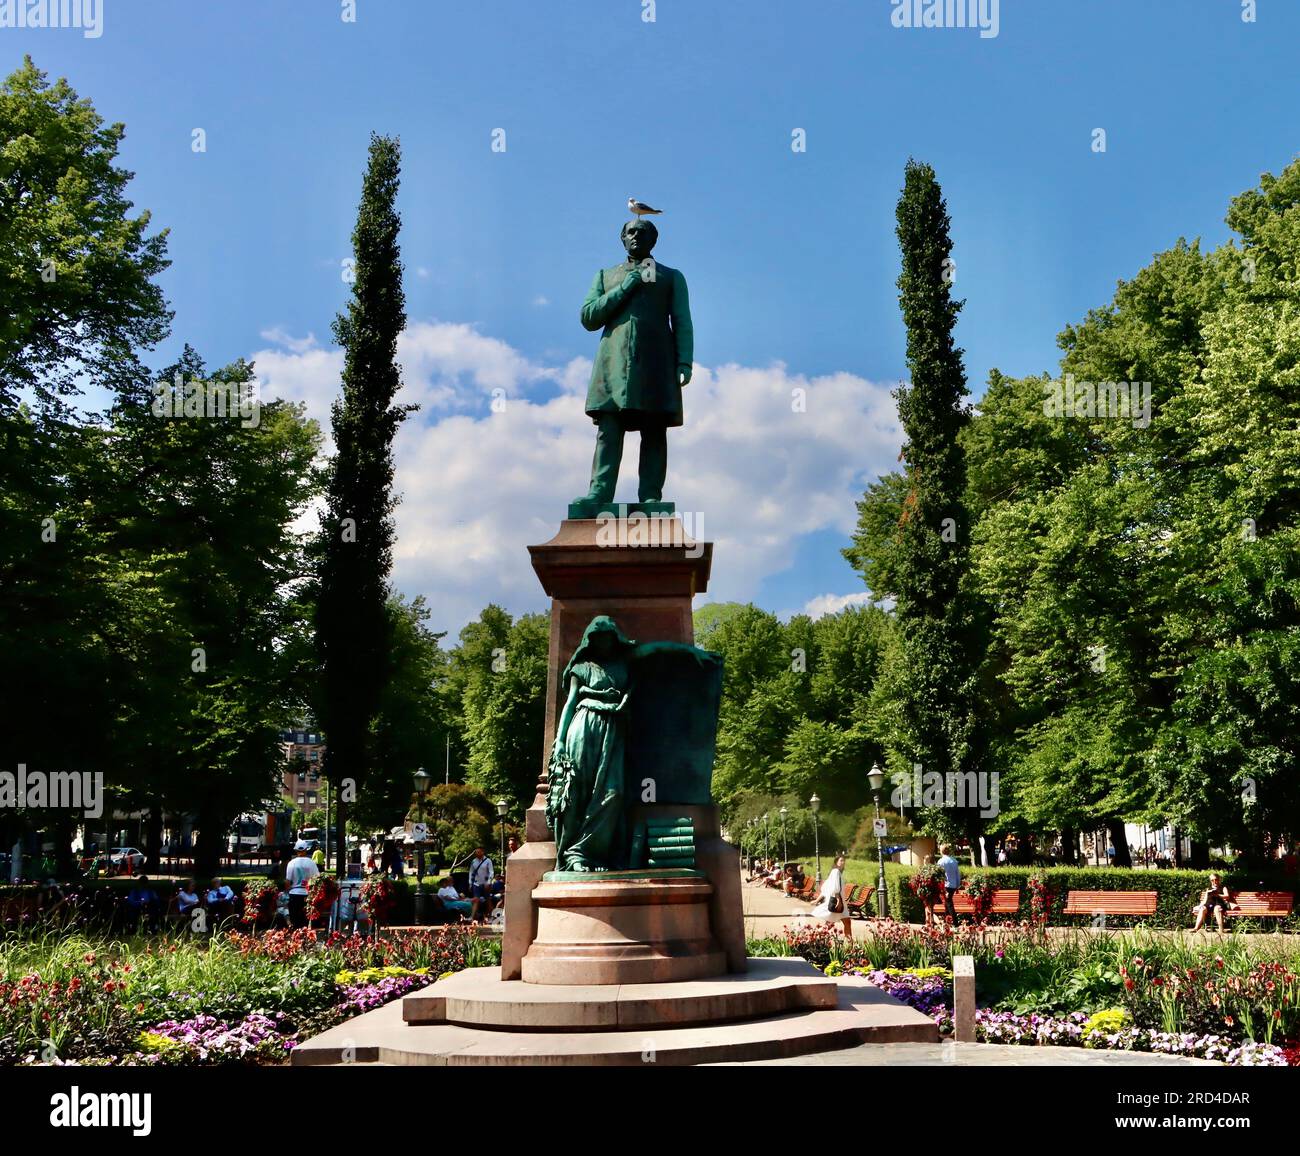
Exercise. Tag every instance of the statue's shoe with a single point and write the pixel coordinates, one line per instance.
(589, 507)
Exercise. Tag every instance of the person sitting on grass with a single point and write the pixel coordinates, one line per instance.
(1216, 898)
(451, 898)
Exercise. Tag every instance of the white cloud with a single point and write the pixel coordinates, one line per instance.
(279, 336)
(825, 604)
(541, 301)
(478, 486)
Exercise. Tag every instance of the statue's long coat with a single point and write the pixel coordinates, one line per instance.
(647, 335)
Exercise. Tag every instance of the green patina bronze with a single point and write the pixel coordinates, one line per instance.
(638, 721)
(647, 347)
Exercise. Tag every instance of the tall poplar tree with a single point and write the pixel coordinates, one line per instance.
(353, 626)
(929, 552)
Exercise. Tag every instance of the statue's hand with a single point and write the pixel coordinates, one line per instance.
(684, 374)
(631, 281)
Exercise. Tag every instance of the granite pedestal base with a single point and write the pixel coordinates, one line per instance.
(623, 930)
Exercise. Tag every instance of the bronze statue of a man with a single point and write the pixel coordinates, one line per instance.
(645, 355)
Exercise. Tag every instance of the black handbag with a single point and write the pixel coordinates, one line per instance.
(835, 903)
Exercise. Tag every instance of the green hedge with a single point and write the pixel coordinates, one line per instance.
(1176, 891)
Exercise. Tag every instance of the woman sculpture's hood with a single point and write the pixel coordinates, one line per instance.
(600, 624)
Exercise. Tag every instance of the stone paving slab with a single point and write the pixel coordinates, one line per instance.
(985, 1055)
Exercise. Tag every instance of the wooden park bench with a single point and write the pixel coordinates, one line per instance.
(808, 892)
(1110, 903)
(1261, 905)
(1005, 902)
(859, 894)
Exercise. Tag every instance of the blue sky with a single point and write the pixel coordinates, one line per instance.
(790, 257)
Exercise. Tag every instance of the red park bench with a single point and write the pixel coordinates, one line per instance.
(1111, 903)
(1005, 902)
(1261, 905)
(857, 897)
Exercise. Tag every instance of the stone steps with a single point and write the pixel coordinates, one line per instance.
(478, 998)
(861, 1014)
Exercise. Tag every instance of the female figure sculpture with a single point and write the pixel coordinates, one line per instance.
(586, 804)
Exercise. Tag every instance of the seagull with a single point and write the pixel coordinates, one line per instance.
(640, 208)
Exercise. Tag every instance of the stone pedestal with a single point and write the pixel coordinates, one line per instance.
(644, 573)
(623, 930)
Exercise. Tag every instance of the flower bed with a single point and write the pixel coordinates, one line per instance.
(238, 998)
(1238, 1006)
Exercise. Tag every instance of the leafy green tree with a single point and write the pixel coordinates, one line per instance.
(498, 679)
(413, 720)
(76, 268)
(80, 303)
(460, 818)
(202, 678)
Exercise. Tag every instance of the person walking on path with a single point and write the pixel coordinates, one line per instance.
(300, 872)
(951, 880)
(481, 874)
(831, 906)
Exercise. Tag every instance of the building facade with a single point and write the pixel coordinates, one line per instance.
(304, 753)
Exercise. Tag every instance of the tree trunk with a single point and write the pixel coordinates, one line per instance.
(341, 826)
(1178, 848)
(1115, 828)
(207, 848)
(61, 832)
(153, 839)
(1199, 860)
(1069, 847)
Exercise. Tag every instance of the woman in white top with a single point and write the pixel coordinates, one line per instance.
(834, 885)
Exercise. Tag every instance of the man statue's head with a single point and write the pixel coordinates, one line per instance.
(639, 238)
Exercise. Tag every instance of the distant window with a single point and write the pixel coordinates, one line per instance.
(302, 776)
(302, 798)
(311, 798)
(314, 756)
(315, 776)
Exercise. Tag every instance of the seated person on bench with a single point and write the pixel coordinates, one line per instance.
(451, 898)
(1216, 898)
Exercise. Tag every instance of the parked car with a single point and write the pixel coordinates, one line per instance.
(127, 860)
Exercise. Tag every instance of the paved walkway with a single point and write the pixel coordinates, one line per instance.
(768, 912)
(982, 1055)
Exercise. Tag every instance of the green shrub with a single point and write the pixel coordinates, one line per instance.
(1107, 1023)
(1176, 891)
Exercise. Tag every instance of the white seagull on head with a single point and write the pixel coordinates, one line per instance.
(640, 208)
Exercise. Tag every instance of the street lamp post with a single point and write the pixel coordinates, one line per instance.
(785, 851)
(876, 777)
(423, 780)
(502, 807)
(767, 844)
(815, 803)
